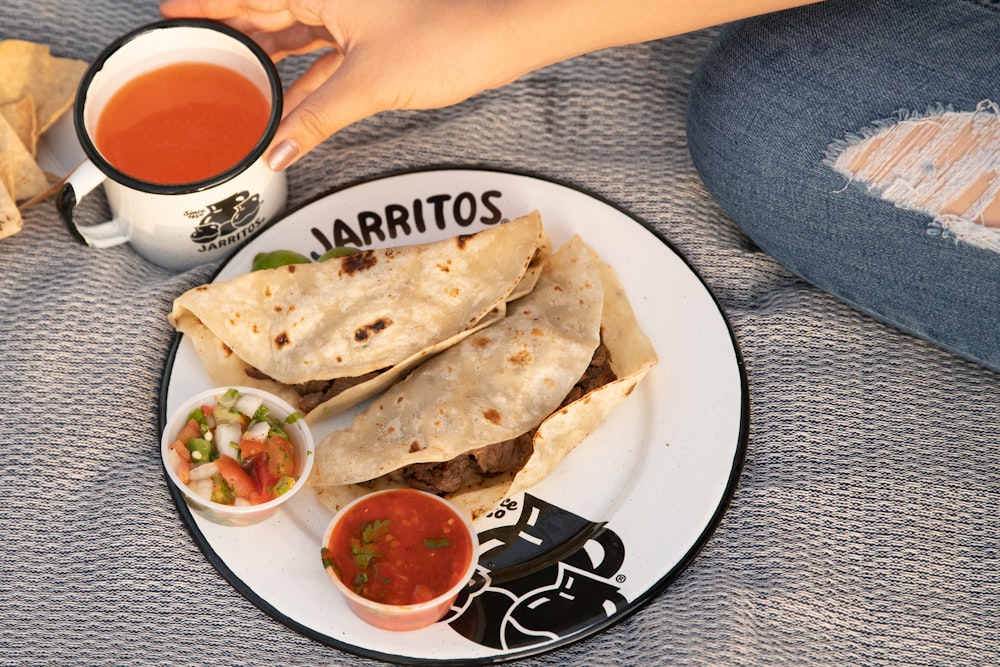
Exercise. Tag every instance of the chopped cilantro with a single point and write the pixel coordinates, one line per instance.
(440, 543)
(228, 399)
(365, 551)
(375, 530)
(199, 416)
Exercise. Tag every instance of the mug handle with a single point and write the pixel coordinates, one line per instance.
(78, 185)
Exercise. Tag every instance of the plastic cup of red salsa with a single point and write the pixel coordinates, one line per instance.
(400, 557)
(294, 427)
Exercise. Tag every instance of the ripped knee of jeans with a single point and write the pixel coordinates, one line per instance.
(943, 163)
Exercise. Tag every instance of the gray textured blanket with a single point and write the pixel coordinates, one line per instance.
(864, 529)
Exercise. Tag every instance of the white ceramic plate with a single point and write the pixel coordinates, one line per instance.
(626, 511)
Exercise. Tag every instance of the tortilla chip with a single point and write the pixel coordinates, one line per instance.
(29, 69)
(21, 116)
(27, 178)
(10, 217)
(7, 176)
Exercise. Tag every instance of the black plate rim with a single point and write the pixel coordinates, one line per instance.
(639, 603)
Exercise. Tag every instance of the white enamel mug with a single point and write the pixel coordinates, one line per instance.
(175, 226)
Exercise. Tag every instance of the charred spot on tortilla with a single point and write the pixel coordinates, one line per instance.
(415, 446)
(281, 340)
(358, 261)
(226, 350)
(363, 334)
(462, 239)
(493, 313)
(267, 292)
(493, 416)
(481, 342)
(255, 329)
(522, 358)
(278, 308)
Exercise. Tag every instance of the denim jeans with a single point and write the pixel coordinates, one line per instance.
(780, 99)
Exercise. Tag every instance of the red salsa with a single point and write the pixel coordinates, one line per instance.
(399, 548)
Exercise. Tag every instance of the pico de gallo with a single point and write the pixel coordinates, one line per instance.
(234, 451)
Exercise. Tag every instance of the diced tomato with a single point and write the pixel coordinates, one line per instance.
(265, 480)
(280, 456)
(184, 457)
(236, 477)
(191, 430)
(251, 448)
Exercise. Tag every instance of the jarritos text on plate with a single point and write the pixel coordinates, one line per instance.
(401, 221)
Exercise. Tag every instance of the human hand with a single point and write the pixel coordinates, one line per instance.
(373, 56)
(376, 55)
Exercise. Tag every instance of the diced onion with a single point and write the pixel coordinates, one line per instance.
(202, 487)
(241, 502)
(248, 404)
(227, 439)
(174, 459)
(204, 471)
(258, 431)
(225, 415)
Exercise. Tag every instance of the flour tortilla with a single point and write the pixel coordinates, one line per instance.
(379, 310)
(497, 384)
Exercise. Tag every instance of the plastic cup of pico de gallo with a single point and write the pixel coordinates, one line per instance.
(237, 454)
(400, 557)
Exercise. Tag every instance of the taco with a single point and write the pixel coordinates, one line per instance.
(330, 334)
(496, 413)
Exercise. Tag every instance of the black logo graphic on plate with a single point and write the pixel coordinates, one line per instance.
(548, 576)
(226, 216)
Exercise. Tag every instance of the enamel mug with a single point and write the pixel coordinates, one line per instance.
(177, 226)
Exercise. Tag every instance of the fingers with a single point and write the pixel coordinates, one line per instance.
(220, 9)
(248, 16)
(320, 105)
(295, 39)
(314, 77)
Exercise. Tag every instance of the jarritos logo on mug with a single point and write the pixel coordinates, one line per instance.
(174, 119)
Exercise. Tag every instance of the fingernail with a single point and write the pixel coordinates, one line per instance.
(282, 155)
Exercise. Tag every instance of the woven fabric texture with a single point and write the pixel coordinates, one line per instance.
(865, 528)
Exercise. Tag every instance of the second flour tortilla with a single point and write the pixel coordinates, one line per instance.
(499, 383)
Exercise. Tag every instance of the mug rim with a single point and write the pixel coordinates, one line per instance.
(115, 174)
